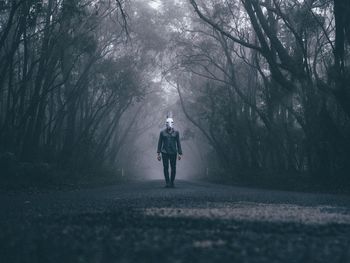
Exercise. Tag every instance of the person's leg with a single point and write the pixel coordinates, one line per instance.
(173, 168)
(165, 158)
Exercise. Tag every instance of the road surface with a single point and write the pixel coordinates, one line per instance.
(195, 222)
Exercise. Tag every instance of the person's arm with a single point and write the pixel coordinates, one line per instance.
(160, 141)
(179, 149)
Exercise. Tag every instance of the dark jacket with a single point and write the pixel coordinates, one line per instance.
(169, 142)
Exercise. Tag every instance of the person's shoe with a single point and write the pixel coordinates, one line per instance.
(172, 185)
(167, 185)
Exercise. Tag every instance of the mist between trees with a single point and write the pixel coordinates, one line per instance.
(259, 86)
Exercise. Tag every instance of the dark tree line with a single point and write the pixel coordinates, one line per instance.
(267, 83)
(67, 76)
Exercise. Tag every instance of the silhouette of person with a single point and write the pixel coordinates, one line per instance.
(170, 147)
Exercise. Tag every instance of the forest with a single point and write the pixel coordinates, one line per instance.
(258, 88)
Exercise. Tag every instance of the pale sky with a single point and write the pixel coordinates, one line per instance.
(155, 4)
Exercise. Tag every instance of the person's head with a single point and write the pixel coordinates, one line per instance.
(169, 123)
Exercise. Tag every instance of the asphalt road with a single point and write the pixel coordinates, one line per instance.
(195, 222)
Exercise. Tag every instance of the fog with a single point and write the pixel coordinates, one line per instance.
(256, 92)
(138, 153)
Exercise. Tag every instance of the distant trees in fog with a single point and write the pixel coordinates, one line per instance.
(66, 77)
(267, 82)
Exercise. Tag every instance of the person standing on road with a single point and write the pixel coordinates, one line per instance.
(170, 147)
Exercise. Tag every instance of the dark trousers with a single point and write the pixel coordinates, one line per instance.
(172, 158)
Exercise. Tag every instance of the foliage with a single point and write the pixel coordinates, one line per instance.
(66, 80)
(261, 80)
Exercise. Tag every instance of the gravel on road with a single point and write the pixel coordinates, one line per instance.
(194, 222)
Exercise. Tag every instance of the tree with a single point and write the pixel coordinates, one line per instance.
(293, 75)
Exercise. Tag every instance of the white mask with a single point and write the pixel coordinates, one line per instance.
(169, 123)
